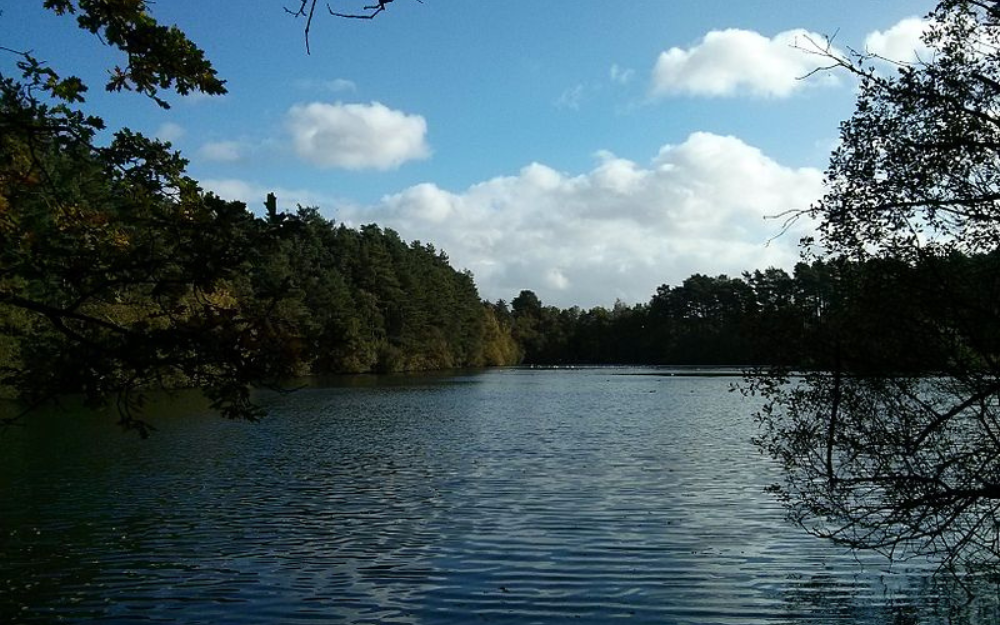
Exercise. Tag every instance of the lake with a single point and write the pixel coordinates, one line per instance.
(507, 496)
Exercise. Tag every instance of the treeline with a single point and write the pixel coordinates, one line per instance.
(883, 314)
(363, 300)
(308, 295)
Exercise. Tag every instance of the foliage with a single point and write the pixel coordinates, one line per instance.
(110, 279)
(894, 446)
(114, 269)
(352, 301)
(767, 317)
(116, 278)
(157, 56)
(119, 274)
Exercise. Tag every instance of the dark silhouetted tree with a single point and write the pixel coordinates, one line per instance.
(894, 443)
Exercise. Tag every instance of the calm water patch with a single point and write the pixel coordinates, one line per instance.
(513, 496)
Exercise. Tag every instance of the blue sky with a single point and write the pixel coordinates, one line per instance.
(589, 151)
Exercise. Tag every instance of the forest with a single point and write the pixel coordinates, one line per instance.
(876, 315)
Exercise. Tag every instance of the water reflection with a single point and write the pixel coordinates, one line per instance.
(514, 496)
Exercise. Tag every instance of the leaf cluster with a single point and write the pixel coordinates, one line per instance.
(158, 58)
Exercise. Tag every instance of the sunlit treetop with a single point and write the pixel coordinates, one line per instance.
(158, 57)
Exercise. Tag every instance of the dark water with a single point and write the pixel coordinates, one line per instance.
(514, 496)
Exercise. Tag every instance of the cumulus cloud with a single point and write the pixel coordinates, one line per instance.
(223, 151)
(616, 231)
(735, 62)
(356, 136)
(902, 42)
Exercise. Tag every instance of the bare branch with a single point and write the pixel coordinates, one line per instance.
(301, 12)
(374, 8)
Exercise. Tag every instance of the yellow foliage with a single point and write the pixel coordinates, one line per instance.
(222, 297)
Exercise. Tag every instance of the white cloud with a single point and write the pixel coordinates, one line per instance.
(902, 42)
(337, 85)
(617, 231)
(253, 194)
(170, 132)
(356, 136)
(198, 97)
(224, 151)
(571, 98)
(621, 75)
(734, 62)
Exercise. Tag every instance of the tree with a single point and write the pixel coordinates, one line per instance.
(116, 271)
(701, 321)
(157, 56)
(894, 445)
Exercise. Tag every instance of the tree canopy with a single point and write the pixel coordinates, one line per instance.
(109, 275)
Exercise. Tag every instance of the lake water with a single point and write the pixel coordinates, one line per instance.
(510, 496)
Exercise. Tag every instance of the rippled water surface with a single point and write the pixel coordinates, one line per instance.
(513, 496)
